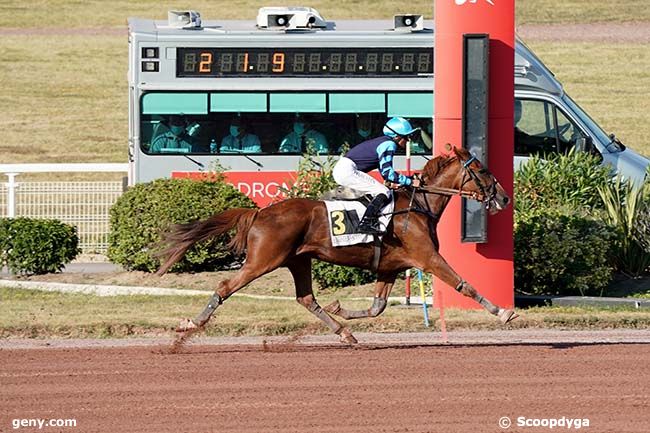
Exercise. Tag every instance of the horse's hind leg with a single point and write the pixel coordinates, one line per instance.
(441, 269)
(300, 268)
(225, 289)
(383, 288)
(252, 269)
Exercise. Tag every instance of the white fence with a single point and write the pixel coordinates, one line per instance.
(85, 204)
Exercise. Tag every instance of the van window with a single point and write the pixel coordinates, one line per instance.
(541, 128)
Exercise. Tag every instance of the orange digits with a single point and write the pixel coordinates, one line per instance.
(206, 62)
(278, 62)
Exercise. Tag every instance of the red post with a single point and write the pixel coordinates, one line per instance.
(489, 266)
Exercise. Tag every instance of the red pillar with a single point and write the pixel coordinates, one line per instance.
(488, 267)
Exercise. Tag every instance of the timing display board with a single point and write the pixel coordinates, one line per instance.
(475, 126)
(296, 62)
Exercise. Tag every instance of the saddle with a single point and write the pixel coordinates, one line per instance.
(344, 193)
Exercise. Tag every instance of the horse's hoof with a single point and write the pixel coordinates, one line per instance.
(507, 315)
(347, 337)
(186, 325)
(333, 308)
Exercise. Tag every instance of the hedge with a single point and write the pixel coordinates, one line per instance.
(144, 212)
(36, 246)
(560, 252)
(329, 276)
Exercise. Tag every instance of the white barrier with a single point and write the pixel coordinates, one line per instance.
(85, 205)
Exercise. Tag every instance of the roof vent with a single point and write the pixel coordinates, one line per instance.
(289, 18)
(408, 23)
(184, 19)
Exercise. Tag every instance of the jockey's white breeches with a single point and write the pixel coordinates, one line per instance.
(345, 173)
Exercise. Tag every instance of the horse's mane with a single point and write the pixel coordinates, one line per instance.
(433, 167)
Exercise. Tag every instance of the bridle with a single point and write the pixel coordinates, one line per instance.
(485, 193)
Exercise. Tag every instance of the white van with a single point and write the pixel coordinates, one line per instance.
(547, 120)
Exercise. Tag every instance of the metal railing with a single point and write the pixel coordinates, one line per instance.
(84, 205)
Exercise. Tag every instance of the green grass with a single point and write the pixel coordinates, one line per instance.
(580, 11)
(96, 13)
(63, 101)
(33, 314)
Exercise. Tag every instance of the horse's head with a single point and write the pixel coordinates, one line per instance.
(465, 174)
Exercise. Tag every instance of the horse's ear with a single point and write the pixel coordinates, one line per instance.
(448, 147)
(461, 152)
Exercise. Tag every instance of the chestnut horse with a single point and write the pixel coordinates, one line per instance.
(293, 232)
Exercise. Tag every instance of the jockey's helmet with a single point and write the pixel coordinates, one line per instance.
(399, 126)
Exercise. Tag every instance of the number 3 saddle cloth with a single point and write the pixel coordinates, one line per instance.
(344, 217)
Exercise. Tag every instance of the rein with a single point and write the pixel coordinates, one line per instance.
(449, 191)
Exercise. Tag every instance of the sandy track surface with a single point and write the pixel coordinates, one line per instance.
(326, 388)
(530, 336)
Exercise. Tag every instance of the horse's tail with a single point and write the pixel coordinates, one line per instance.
(183, 236)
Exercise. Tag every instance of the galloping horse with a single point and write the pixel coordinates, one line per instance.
(294, 231)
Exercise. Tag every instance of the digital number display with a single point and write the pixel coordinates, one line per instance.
(258, 62)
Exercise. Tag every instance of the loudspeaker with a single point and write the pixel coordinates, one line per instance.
(410, 22)
(184, 19)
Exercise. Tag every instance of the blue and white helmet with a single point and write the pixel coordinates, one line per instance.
(398, 126)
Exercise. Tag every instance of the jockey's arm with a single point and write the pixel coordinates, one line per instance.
(386, 152)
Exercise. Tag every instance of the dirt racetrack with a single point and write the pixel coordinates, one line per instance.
(327, 388)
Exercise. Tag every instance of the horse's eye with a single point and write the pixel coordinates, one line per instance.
(483, 171)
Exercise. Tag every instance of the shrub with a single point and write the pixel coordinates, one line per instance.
(145, 211)
(314, 178)
(35, 246)
(560, 180)
(560, 252)
(330, 276)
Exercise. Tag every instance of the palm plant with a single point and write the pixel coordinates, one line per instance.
(625, 208)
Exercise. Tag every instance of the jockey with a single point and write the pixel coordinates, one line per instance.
(377, 153)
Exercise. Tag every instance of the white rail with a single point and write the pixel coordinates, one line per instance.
(85, 205)
(64, 168)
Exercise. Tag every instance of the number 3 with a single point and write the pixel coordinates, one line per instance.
(338, 227)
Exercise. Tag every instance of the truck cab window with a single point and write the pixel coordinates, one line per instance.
(540, 128)
(568, 132)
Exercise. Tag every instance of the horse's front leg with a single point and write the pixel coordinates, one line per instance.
(383, 288)
(441, 269)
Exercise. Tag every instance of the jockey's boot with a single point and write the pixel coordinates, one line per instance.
(369, 224)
